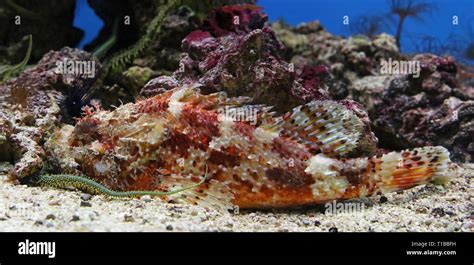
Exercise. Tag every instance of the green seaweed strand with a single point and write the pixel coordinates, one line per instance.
(108, 44)
(118, 62)
(9, 71)
(91, 186)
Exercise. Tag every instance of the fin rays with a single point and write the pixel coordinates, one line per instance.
(323, 126)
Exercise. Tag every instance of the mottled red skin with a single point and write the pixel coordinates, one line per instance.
(275, 176)
(200, 127)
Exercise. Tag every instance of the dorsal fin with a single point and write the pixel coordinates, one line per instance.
(191, 93)
(238, 108)
(323, 126)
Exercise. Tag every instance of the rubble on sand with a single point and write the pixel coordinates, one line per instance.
(33, 104)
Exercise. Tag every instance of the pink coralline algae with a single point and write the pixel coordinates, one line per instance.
(235, 52)
(434, 109)
(236, 19)
(311, 78)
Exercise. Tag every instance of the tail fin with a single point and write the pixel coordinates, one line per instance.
(402, 170)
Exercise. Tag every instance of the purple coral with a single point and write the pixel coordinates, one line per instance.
(237, 19)
(433, 109)
(312, 79)
(243, 59)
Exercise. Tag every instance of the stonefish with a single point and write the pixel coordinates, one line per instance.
(171, 140)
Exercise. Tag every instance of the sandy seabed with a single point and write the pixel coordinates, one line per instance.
(448, 208)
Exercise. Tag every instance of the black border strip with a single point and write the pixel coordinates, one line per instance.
(139, 245)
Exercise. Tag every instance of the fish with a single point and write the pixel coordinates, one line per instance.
(303, 157)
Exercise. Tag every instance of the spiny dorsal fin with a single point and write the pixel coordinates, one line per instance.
(238, 108)
(322, 126)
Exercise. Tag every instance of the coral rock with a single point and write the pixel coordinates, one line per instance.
(33, 104)
(430, 110)
(237, 19)
(348, 59)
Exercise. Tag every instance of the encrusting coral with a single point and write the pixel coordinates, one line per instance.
(33, 104)
(347, 59)
(434, 109)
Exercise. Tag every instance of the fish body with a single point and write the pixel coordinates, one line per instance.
(263, 161)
